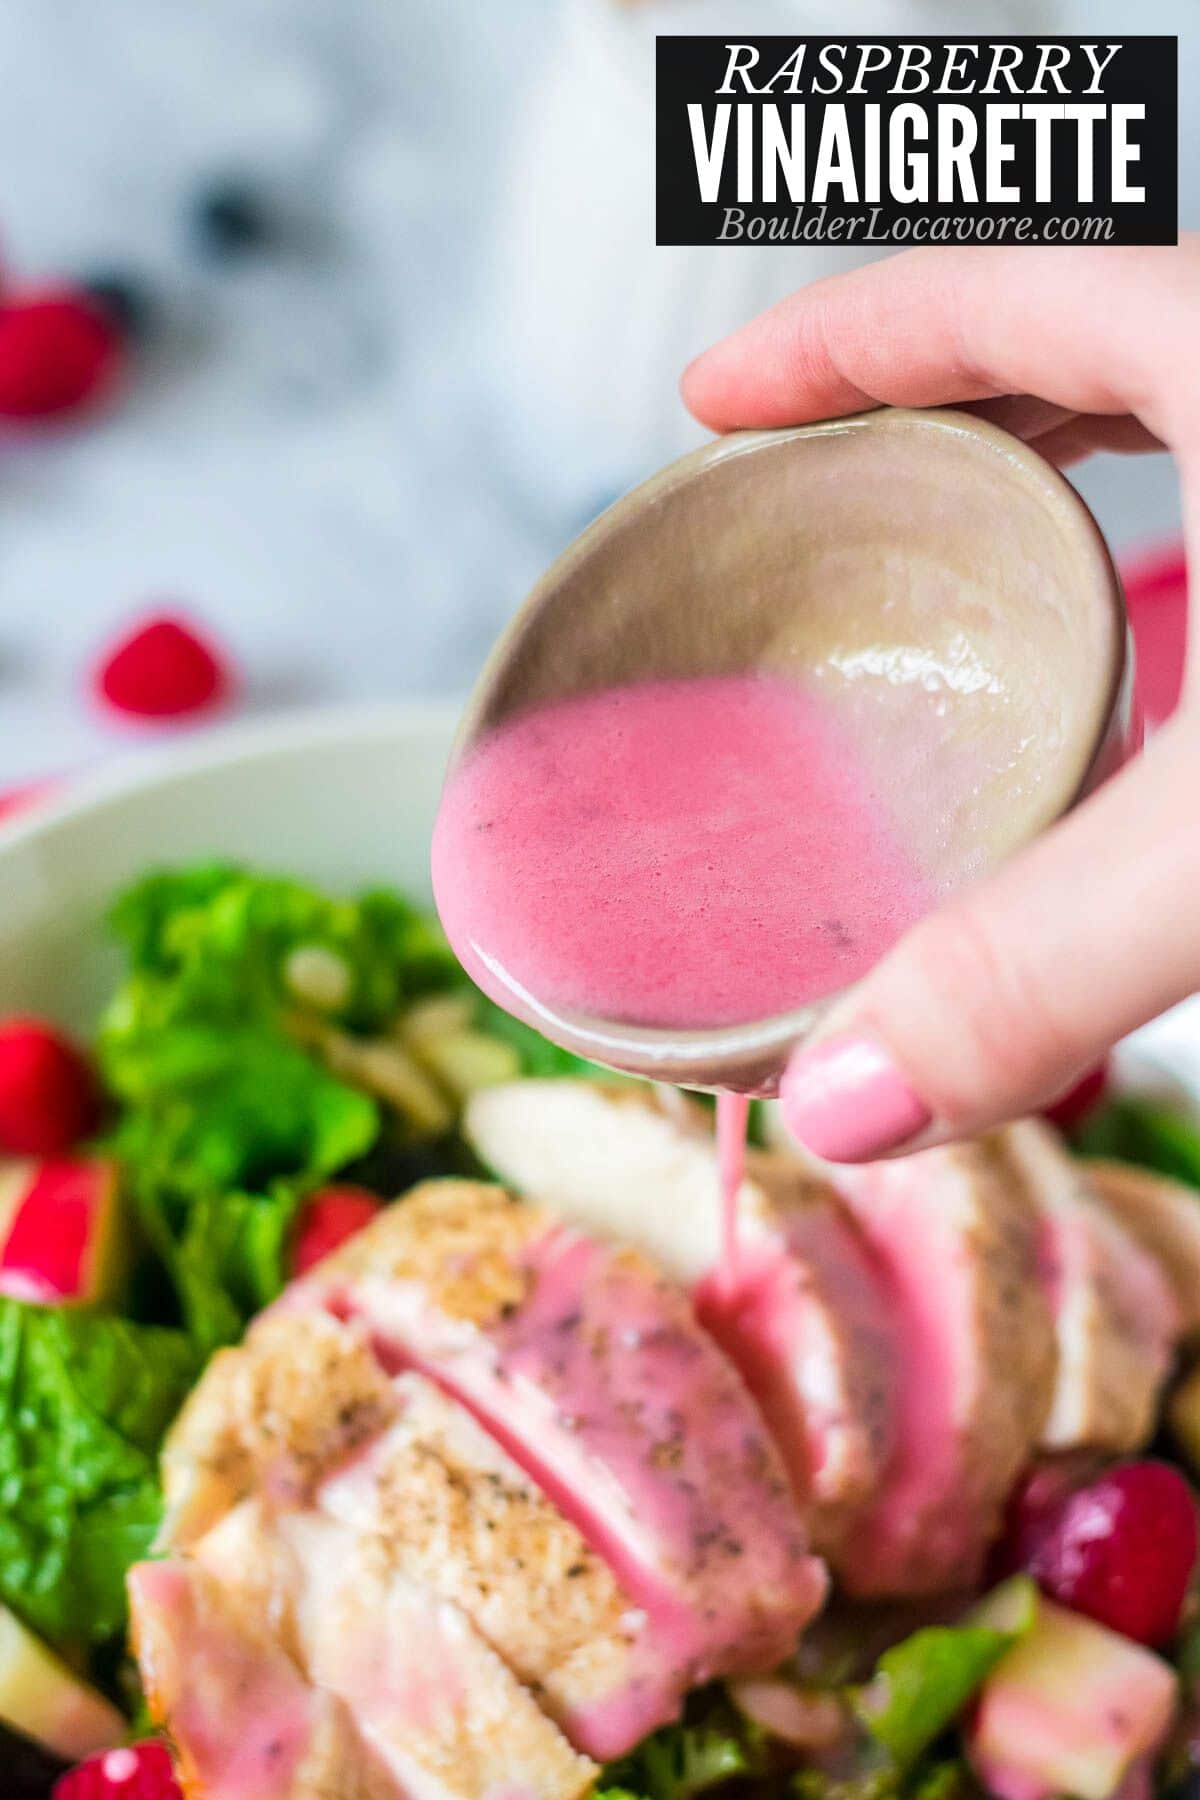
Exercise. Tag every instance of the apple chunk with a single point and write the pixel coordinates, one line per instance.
(1071, 1709)
(61, 1241)
(40, 1697)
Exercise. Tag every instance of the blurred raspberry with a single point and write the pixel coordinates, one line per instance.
(1156, 594)
(19, 799)
(1072, 1107)
(48, 1094)
(330, 1216)
(163, 669)
(58, 350)
(134, 1772)
(1121, 1550)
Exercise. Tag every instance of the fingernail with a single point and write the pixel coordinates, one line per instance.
(846, 1101)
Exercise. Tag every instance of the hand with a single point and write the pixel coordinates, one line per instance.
(1001, 999)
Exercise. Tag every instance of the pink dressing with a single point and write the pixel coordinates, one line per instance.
(671, 853)
(245, 1721)
(805, 1317)
(602, 1387)
(922, 1517)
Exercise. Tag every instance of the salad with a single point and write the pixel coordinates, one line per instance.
(276, 1066)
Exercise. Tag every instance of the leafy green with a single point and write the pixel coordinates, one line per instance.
(84, 1402)
(921, 1685)
(222, 1132)
(227, 1116)
(221, 937)
(712, 1744)
(226, 1122)
(1137, 1130)
(943, 1779)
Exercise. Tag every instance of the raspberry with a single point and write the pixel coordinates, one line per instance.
(331, 1216)
(162, 669)
(48, 1096)
(1033, 1508)
(135, 1772)
(1080, 1100)
(18, 799)
(57, 350)
(1122, 1550)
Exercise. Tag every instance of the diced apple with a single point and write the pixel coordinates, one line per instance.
(61, 1236)
(466, 1061)
(1071, 1709)
(439, 1034)
(40, 1697)
(381, 1066)
(439, 1016)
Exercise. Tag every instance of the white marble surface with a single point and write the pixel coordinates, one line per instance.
(308, 455)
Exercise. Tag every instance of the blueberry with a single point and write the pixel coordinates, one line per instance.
(228, 218)
(123, 297)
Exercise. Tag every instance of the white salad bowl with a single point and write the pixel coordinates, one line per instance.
(345, 799)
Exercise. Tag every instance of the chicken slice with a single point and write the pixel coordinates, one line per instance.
(956, 1236)
(1115, 1316)
(1164, 1217)
(804, 1317)
(440, 1710)
(299, 1395)
(459, 1515)
(244, 1723)
(588, 1366)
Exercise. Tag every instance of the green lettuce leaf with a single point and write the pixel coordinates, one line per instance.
(227, 1120)
(220, 937)
(945, 1779)
(84, 1402)
(1136, 1130)
(921, 1685)
(711, 1745)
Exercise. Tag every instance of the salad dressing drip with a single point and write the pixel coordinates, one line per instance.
(673, 853)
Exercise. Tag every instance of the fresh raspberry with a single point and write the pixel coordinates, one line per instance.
(57, 350)
(162, 669)
(1080, 1100)
(330, 1216)
(134, 1772)
(1122, 1550)
(1033, 1509)
(19, 799)
(48, 1095)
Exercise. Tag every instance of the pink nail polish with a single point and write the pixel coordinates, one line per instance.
(845, 1100)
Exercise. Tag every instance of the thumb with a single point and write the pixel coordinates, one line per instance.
(997, 1002)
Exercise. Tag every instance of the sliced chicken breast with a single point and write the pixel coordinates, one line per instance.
(439, 1709)
(275, 1413)
(1164, 1217)
(1115, 1316)
(957, 1238)
(458, 1514)
(804, 1316)
(589, 1368)
(243, 1722)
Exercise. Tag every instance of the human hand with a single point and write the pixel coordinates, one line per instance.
(1002, 998)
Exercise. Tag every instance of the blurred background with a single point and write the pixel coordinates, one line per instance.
(325, 323)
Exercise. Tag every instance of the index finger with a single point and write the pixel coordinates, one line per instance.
(1094, 330)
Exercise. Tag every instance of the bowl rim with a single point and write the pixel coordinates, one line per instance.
(148, 768)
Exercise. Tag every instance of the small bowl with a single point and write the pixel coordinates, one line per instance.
(903, 564)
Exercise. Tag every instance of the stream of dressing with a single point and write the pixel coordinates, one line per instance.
(733, 1112)
(685, 853)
